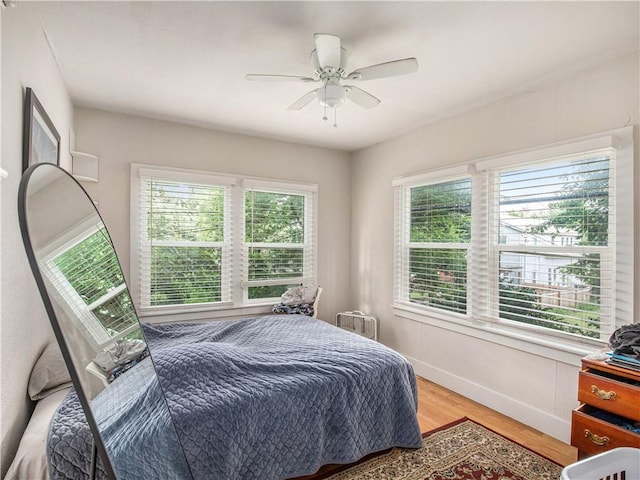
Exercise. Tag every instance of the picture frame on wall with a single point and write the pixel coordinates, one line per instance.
(41, 140)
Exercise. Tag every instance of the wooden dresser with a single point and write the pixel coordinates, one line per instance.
(606, 393)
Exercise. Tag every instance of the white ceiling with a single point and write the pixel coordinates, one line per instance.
(186, 61)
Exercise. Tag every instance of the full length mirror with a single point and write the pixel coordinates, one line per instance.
(85, 295)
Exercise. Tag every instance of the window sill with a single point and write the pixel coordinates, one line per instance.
(226, 312)
(547, 346)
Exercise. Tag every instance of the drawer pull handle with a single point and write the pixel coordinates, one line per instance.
(603, 395)
(597, 439)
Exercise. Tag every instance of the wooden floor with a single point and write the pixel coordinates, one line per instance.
(439, 406)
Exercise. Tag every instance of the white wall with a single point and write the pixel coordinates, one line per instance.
(530, 387)
(119, 140)
(24, 328)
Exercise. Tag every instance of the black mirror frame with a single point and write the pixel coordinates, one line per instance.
(26, 239)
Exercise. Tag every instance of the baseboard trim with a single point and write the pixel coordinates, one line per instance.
(534, 417)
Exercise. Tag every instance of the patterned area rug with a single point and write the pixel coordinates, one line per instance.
(462, 450)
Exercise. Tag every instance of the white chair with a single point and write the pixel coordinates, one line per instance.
(96, 371)
(315, 302)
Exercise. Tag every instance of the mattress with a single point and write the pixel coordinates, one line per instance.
(30, 461)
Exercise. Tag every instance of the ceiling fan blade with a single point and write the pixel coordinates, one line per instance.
(388, 69)
(278, 78)
(360, 97)
(303, 101)
(328, 50)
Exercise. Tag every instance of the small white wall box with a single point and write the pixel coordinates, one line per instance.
(359, 323)
(85, 166)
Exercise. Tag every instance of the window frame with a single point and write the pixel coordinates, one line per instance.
(403, 243)
(538, 340)
(308, 192)
(496, 248)
(141, 285)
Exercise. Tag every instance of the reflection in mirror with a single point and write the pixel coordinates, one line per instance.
(87, 300)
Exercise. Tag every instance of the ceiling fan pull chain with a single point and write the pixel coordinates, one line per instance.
(335, 117)
(325, 118)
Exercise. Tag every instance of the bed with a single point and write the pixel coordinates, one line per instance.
(269, 397)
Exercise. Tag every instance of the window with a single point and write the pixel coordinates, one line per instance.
(207, 241)
(563, 198)
(88, 277)
(433, 253)
(184, 241)
(278, 239)
(540, 241)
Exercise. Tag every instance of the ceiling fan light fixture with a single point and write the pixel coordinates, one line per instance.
(329, 59)
(331, 95)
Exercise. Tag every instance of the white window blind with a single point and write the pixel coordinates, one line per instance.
(184, 240)
(432, 244)
(552, 242)
(278, 250)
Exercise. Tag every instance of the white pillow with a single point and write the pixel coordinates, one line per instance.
(49, 374)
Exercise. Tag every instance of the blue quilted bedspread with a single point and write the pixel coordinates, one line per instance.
(270, 398)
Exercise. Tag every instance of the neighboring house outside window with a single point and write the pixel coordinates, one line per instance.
(204, 241)
(550, 250)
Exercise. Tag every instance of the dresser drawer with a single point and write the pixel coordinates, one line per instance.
(592, 435)
(608, 394)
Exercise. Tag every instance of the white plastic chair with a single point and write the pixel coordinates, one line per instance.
(315, 302)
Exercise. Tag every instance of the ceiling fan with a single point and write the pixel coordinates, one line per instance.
(329, 61)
